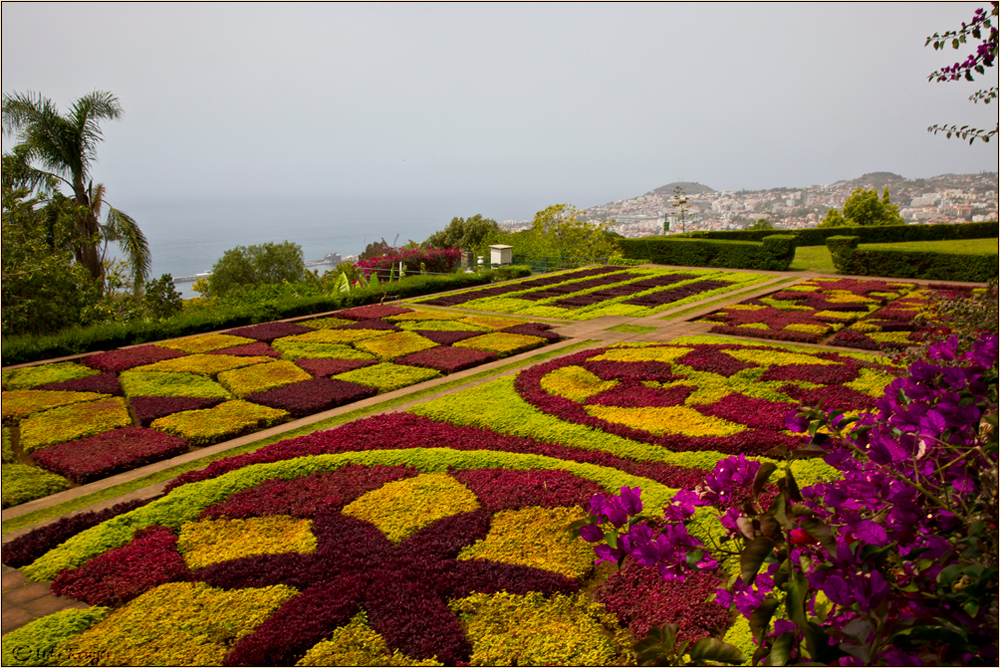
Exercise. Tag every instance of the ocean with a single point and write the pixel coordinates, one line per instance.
(187, 237)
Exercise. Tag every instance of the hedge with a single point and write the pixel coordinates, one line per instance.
(848, 258)
(817, 236)
(31, 348)
(774, 252)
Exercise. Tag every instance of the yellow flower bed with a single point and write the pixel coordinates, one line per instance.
(69, 423)
(160, 629)
(208, 542)
(838, 315)
(752, 325)
(358, 644)
(575, 383)
(22, 379)
(807, 328)
(501, 343)
(337, 335)
(205, 343)
(768, 357)
(890, 337)
(532, 630)
(401, 508)
(441, 326)
(425, 314)
(19, 404)
(870, 382)
(386, 377)
(208, 365)
(746, 307)
(640, 354)
(492, 321)
(396, 344)
(227, 420)
(326, 323)
(536, 537)
(293, 350)
(661, 420)
(169, 384)
(261, 377)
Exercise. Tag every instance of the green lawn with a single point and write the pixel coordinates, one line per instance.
(964, 246)
(813, 258)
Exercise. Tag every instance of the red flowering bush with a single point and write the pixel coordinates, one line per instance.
(109, 453)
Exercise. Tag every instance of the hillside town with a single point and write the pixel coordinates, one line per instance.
(949, 198)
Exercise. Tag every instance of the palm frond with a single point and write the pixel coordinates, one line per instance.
(120, 227)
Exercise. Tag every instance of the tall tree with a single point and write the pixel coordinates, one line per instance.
(55, 148)
(864, 208)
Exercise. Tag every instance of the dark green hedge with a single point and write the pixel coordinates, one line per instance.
(849, 259)
(774, 252)
(817, 236)
(22, 349)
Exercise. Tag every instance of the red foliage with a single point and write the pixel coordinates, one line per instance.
(504, 489)
(312, 396)
(105, 383)
(148, 409)
(326, 367)
(447, 359)
(126, 358)
(269, 331)
(109, 453)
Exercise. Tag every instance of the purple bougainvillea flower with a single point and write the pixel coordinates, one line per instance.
(796, 422)
(631, 502)
(871, 533)
(591, 533)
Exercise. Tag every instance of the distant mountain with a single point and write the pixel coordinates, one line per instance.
(689, 188)
(876, 180)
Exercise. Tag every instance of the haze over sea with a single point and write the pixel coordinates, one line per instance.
(187, 237)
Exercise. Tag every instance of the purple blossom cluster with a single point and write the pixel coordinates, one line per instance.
(984, 55)
(109, 453)
(312, 396)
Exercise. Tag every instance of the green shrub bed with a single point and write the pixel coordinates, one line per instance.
(441, 535)
(187, 387)
(773, 252)
(913, 260)
(593, 293)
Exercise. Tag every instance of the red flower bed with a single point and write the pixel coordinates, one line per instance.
(312, 396)
(447, 359)
(327, 367)
(117, 576)
(403, 430)
(753, 412)
(109, 453)
(824, 374)
(504, 489)
(116, 361)
(535, 329)
(249, 350)
(633, 394)
(714, 361)
(649, 370)
(24, 549)
(557, 290)
(269, 331)
(832, 397)
(642, 599)
(309, 495)
(676, 294)
(371, 312)
(148, 409)
(104, 383)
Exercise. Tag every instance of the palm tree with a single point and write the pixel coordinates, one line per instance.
(65, 147)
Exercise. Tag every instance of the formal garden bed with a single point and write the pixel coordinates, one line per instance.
(112, 412)
(585, 294)
(439, 535)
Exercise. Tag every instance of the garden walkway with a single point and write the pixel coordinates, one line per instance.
(24, 601)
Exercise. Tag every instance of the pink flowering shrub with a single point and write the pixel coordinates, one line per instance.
(434, 260)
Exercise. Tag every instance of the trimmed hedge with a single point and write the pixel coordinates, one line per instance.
(30, 348)
(848, 258)
(774, 252)
(817, 236)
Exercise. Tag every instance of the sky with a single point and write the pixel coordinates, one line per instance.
(516, 102)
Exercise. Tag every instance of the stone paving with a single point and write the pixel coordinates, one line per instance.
(24, 600)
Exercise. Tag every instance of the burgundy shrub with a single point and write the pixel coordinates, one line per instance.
(649, 370)
(751, 411)
(535, 329)
(121, 574)
(371, 312)
(715, 361)
(148, 409)
(447, 359)
(633, 394)
(269, 331)
(447, 338)
(832, 396)
(312, 396)
(822, 374)
(104, 383)
(116, 361)
(109, 453)
(24, 549)
(505, 489)
(328, 367)
(852, 338)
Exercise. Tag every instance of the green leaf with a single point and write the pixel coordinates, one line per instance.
(820, 532)
(763, 473)
(781, 650)
(760, 618)
(713, 649)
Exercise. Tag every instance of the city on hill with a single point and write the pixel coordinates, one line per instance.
(948, 198)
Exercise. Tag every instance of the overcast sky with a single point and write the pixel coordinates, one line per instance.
(584, 103)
